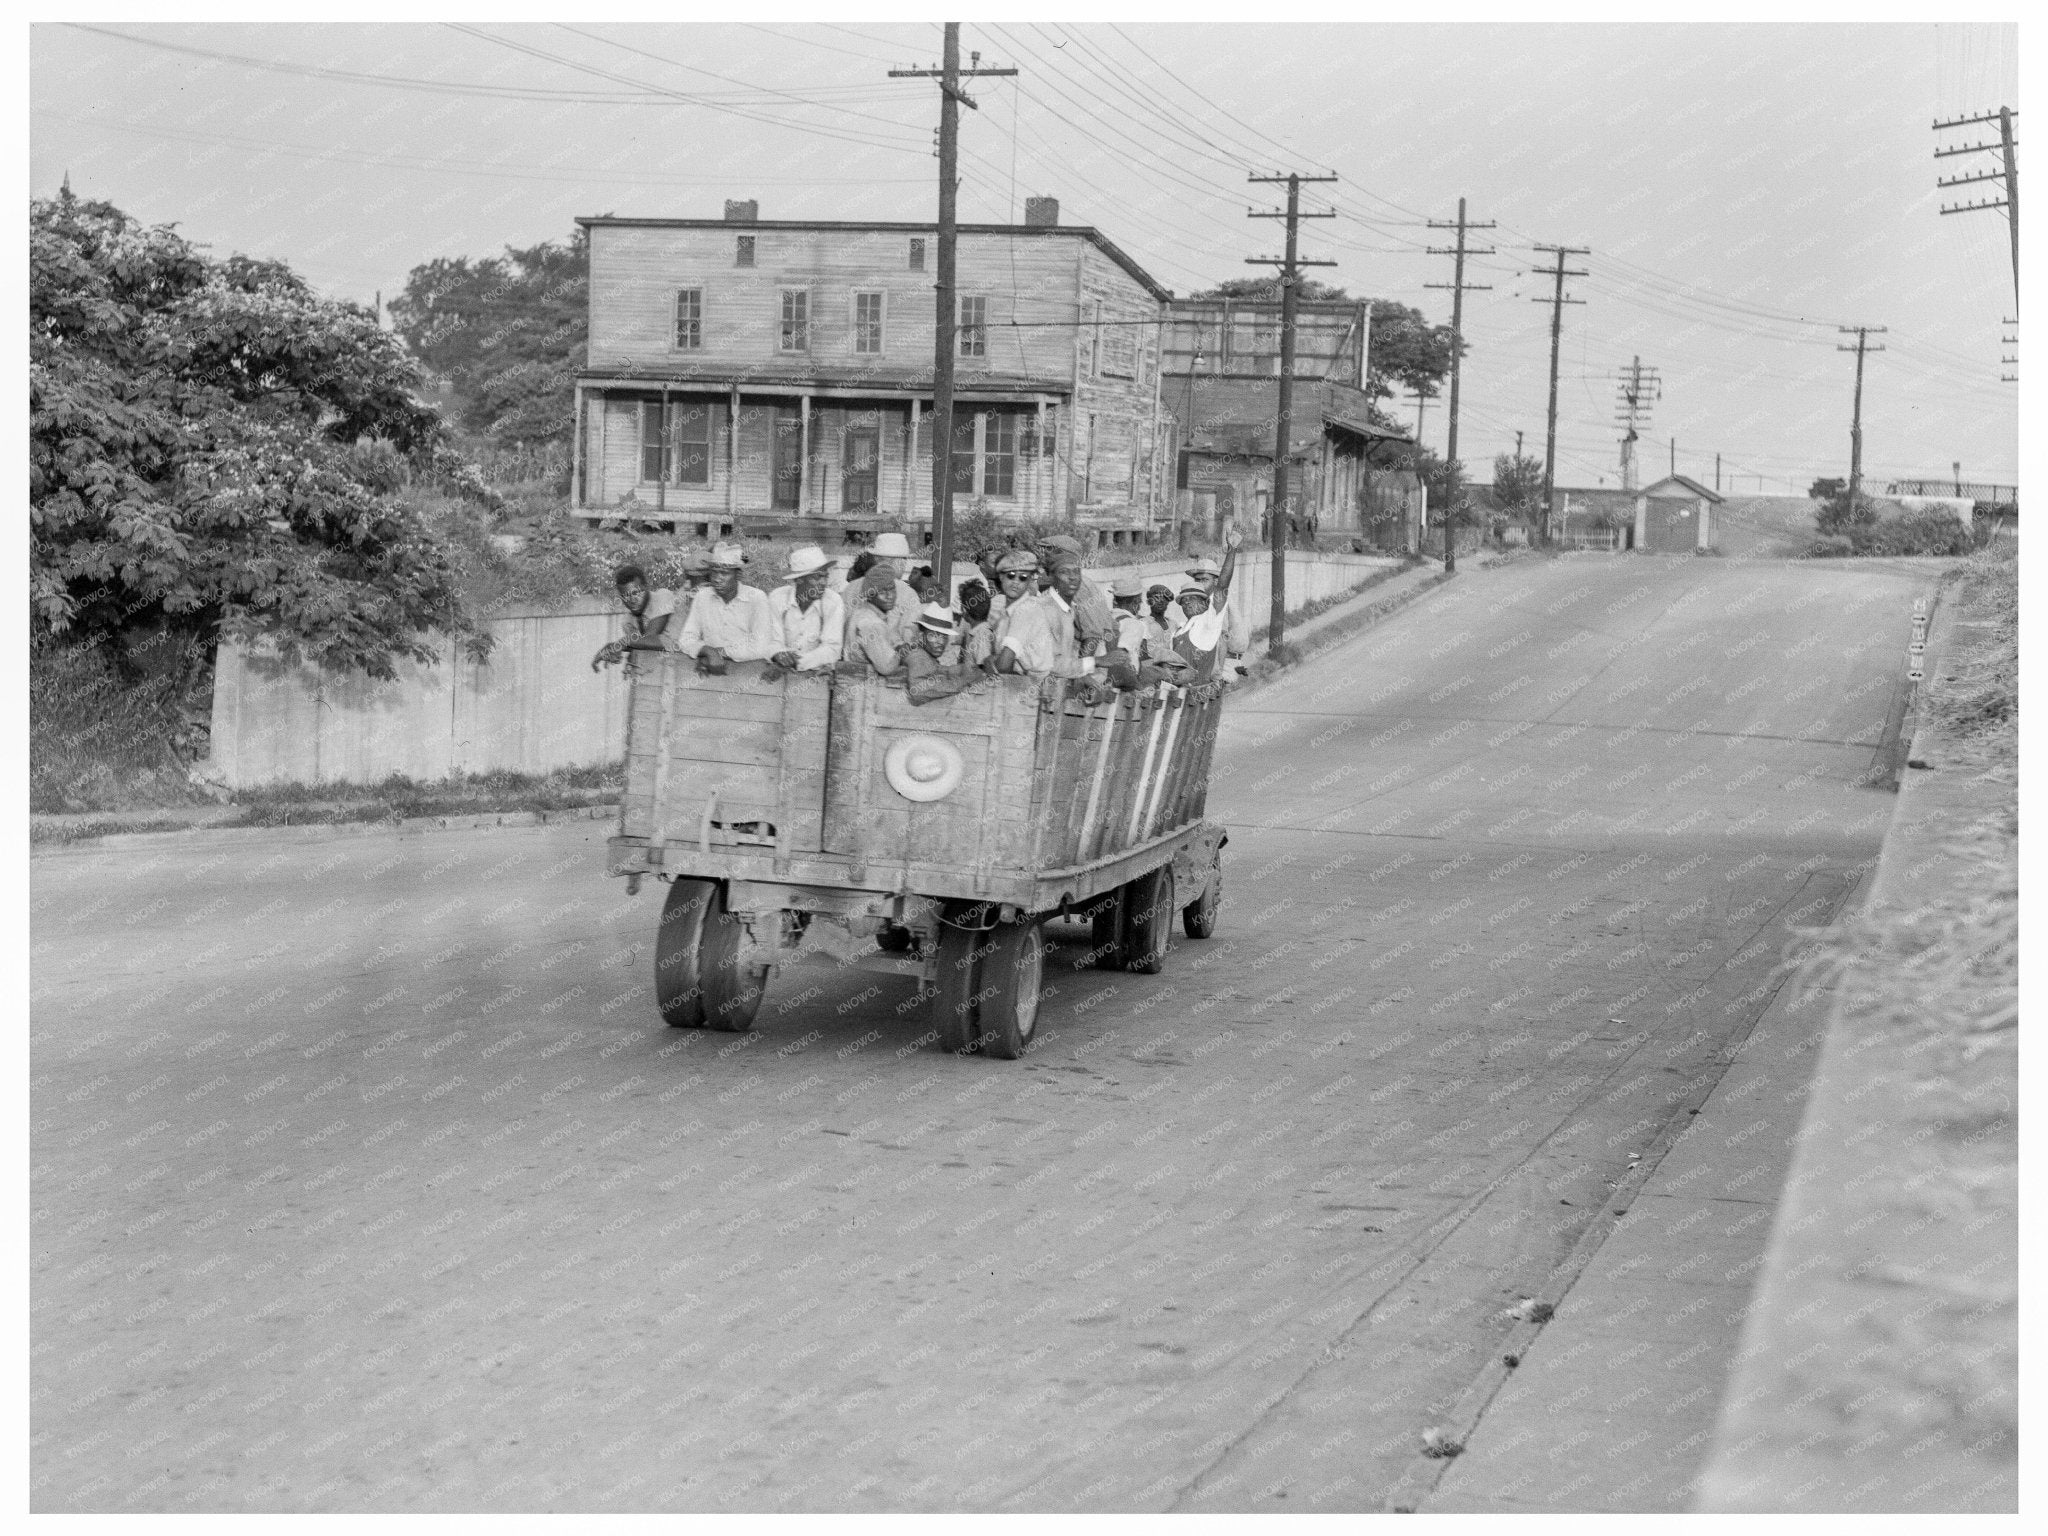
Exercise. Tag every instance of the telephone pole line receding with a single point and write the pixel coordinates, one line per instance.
(951, 97)
(1638, 390)
(1862, 333)
(1557, 303)
(2009, 174)
(1290, 267)
(1458, 287)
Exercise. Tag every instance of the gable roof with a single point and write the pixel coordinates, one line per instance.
(886, 226)
(1691, 487)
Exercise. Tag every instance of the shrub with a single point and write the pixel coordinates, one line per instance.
(1831, 546)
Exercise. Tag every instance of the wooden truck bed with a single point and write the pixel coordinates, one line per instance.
(740, 778)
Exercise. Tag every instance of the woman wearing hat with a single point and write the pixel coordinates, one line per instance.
(808, 620)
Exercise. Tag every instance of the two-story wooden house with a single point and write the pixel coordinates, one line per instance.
(747, 369)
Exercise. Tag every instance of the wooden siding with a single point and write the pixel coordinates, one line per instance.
(635, 273)
(1113, 423)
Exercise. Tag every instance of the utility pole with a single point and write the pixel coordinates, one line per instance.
(1638, 390)
(946, 312)
(1557, 303)
(1862, 333)
(1420, 401)
(1673, 470)
(1290, 267)
(2009, 174)
(1518, 443)
(1717, 473)
(1458, 287)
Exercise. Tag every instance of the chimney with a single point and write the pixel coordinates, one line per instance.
(748, 212)
(1041, 212)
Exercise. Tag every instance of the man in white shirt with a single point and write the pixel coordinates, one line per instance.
(809, 622)
(728, 622)
(1237, 625)
(1203, 636)
(1040, 640)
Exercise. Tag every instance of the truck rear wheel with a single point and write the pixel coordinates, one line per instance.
(1149, 906)
(1106, 917)
(1198, 917)
(963, 927)
(1012, 973)
(697, 980)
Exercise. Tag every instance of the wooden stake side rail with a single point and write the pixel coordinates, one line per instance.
(740, 778)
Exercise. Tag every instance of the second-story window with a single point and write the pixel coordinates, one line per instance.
(689, 319)
(743, 253)
(867, 322)
(917, 255)
(974, 327)
(796, 320)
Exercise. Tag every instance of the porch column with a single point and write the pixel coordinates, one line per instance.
(803, 463)
(910, 462)
(1040, 475)
(661, 473)
(576, 496)
(732, 462)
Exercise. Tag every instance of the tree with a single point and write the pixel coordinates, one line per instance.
(509, 334)
(1518, 483)
(201, 459)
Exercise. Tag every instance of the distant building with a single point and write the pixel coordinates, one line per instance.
(781, 370)
(1675, 516)
(1221, 387)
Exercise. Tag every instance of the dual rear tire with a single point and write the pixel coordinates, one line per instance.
(990, 977)
(698, 983)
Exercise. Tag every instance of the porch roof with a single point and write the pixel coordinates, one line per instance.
(792, 381)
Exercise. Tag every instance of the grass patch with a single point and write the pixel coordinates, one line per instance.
(399, 798)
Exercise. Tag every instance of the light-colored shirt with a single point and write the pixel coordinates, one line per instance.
(902, 618)
(979, 643)
(817, 634)
(1198, 641)
(1041, 637)
(1132, 630)
(742, 628)
(871, 640)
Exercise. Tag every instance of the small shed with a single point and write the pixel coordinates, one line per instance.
(1675, 516)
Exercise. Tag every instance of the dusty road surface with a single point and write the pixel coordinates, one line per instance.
(364, 1178)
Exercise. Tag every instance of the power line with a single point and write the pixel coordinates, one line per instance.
(1458, 287)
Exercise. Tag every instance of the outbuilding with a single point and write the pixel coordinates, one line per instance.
(1675, 516)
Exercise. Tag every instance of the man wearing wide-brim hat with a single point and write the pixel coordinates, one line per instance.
(728, 621)
(932, 664)
(889, 552)
(809, 621)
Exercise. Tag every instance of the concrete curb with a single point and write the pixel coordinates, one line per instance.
(322, 832)
(1343, 622)
(1827, 1409)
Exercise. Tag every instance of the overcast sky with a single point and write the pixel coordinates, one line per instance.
(1744, 190)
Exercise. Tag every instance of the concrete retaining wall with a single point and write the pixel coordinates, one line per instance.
(535, 706)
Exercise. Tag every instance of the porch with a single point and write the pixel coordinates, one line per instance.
(697, 458)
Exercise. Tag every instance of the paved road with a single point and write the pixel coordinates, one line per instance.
(363, 1179)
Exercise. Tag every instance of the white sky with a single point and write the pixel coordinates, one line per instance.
(1745, 189)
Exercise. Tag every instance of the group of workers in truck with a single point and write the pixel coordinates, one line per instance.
(1031, 613)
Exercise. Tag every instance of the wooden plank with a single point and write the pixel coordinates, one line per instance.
(1172, 712)
(755, 743)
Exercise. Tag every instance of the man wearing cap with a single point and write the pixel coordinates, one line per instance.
(1040, 641)
(650, 611)
(890, 552)
(872, 643)
(932, 666)
(728, 621)
(1016, 582)
(1094, 624)
(1237, 627)
(809, 622)
(1202, 640)
(1127, 595)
